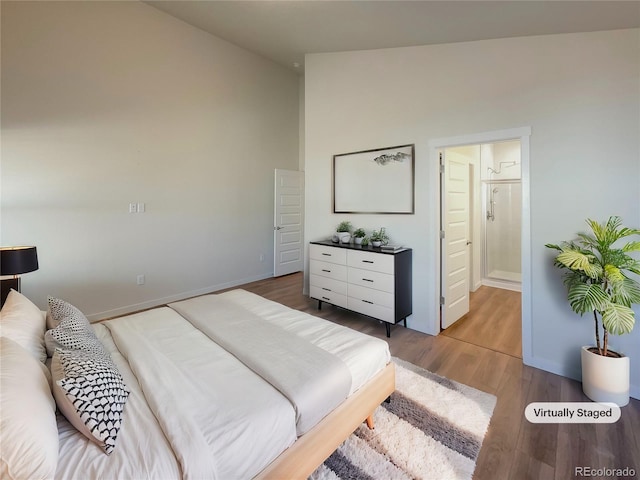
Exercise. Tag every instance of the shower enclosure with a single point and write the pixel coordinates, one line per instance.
(502, 194)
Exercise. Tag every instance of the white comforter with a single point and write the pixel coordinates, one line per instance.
(312, 379)
(142, 450)
(195, 411)
(364, 355)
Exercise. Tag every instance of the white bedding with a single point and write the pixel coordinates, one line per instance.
(364, 355)
(312, 379)
(141, 447)
(195, 411)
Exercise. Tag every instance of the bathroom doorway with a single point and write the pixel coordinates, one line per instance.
(481, 303)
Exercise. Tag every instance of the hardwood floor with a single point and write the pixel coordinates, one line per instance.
(494, 321)
(513, 449)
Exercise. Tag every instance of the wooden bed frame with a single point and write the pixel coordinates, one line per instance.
(315, 446)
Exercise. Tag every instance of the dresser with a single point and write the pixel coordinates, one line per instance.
(366, 280)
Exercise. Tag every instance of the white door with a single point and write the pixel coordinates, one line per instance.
(287, 228)
(455, 232)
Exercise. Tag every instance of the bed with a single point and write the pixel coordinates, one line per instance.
(221, 386)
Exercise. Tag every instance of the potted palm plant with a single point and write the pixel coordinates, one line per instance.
(598, 282)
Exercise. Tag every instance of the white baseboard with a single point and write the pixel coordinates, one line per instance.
(504, 284)
(116, 312)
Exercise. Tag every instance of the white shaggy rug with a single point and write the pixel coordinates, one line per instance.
(431, 429)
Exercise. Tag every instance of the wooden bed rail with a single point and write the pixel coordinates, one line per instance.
(315, 446)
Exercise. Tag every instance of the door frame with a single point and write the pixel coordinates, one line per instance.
(435, 145)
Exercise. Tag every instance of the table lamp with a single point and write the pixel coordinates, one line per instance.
(16, 261)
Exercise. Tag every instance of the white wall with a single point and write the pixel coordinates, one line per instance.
(578, 93)
(107, 103)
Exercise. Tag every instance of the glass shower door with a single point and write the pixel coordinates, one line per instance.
(503, 230)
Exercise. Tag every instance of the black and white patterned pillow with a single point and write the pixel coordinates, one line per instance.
(73, 330)
(60, 309)
(62, 337)
(91, 393)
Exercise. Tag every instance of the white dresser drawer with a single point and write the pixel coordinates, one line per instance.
(331, 297)
(326, 269)
(371, 279)
(328, 284)
(376, 311)
(378, 262)
(371, 296)
(328, 254)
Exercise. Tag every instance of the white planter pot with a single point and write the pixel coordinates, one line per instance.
(345, 237)
(605, 379)
(357, 240)
(376, 243)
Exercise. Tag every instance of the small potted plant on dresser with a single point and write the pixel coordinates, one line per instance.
(343, 232)
(598, 282)
(358, 235)
(379, 237)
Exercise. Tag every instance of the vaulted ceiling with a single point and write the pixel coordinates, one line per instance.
(284, 31)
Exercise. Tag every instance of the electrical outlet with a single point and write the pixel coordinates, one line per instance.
(141, 207)
(133, 208)
(140, 280)
(262, 257)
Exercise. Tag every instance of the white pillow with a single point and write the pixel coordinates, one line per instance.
(90, 393)
(28, 430)
(24, 323)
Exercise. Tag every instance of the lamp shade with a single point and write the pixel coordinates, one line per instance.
(17, 260)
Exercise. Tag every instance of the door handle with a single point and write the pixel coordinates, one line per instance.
(468, 243)
(278, 228)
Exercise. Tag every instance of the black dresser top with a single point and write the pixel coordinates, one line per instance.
(353, 246)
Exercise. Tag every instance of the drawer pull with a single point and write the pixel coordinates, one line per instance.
(326, 254)
(368, 261)
(328, 271)
(327, 299)
(326, 289)
(367, 280)
(367, 301)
